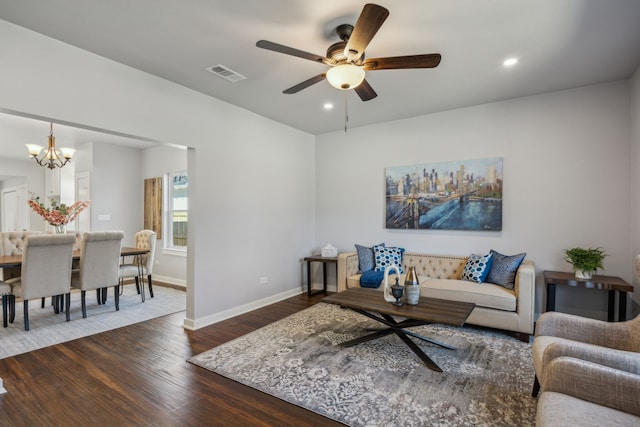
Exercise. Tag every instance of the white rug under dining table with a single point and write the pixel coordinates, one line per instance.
(48, 328)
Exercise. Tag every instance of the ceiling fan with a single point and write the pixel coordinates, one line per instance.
(346, 58)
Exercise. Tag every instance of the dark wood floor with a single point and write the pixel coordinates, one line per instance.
(138, 375)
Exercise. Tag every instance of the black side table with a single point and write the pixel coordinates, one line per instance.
(324, 260)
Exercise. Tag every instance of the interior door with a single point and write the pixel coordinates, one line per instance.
(9, 211)
(22, 208)
(83, 192)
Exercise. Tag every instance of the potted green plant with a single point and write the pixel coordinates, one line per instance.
(585, 262)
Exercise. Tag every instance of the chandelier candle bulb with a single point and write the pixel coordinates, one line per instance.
(412, 287)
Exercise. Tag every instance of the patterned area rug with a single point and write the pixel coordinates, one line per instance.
(48, 328)
(486, 382)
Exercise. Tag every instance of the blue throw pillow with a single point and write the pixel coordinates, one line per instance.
(477, 268)
(372, 278)
(387, 256)
(366, 260)
(503, 269)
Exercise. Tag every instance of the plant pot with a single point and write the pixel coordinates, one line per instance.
(581, 274)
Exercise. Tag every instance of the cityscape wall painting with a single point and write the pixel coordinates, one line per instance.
(456, 195)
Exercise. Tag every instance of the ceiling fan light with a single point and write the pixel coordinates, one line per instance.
(346, 76)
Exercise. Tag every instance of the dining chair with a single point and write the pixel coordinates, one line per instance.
(142, 264)
(99, 261)
(46, 271)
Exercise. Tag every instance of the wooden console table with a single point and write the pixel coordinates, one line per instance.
(606, 283)
(324, 260)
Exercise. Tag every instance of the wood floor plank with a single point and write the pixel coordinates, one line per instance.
(139, 376)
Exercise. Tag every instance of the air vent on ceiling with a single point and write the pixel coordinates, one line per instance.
(225, 73)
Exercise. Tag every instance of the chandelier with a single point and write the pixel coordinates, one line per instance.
(51, 157)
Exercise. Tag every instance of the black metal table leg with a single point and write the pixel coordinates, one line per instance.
(622, 306)
(551, 297)
(611, 306)
(403, 334)
(308, 278)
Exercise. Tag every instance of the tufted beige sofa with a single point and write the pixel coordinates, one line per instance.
(440, 277)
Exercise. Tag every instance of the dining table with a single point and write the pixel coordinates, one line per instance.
(16, 260)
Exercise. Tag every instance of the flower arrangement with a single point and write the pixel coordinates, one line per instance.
(58, 214)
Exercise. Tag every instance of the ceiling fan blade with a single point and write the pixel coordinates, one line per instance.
(365, 91)
(369, 22)
(305, 84)
(264, 44)
(430, 60)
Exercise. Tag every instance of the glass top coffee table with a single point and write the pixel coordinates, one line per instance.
(371, 303)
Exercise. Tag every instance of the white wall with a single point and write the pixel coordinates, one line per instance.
(566, 180)
(157, 162)
(117, 190)
(635, 183)
(251, 179)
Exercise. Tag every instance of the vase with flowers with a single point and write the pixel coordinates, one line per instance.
(58, 215)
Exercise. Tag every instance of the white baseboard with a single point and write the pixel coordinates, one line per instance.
(227, 314)
(170, 280)
(2, 390)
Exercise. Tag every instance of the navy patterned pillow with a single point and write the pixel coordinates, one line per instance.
(387, 256)
(366, 260)
(503, 269)
(477, 268)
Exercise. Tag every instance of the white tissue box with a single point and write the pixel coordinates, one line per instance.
(329, 251)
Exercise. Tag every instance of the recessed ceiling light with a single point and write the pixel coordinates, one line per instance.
(510, 62)
(328, 106)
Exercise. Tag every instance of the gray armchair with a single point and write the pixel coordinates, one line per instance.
(99, 263)
(613, 344)
(46, 271)
(582, 393)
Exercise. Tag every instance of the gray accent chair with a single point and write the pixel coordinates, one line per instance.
(582, 393)
(142, 264)
(46, 271)
(613, 344)
(99, 262)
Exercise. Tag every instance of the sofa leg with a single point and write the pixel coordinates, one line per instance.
(536, 387)
(523, 337)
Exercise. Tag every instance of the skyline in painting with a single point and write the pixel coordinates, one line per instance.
(455, 195)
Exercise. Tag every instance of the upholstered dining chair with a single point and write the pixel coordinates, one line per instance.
(99, 263)
(142, 264)
(612, 344)
(46, 271)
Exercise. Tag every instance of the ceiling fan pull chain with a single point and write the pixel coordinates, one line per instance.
(346, 111)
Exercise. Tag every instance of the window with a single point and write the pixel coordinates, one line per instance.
(177, 207)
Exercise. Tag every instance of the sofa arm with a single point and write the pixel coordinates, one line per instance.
(594, 383)
(347, 266)
(525, 289)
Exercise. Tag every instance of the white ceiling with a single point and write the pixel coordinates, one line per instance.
(560, 43)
